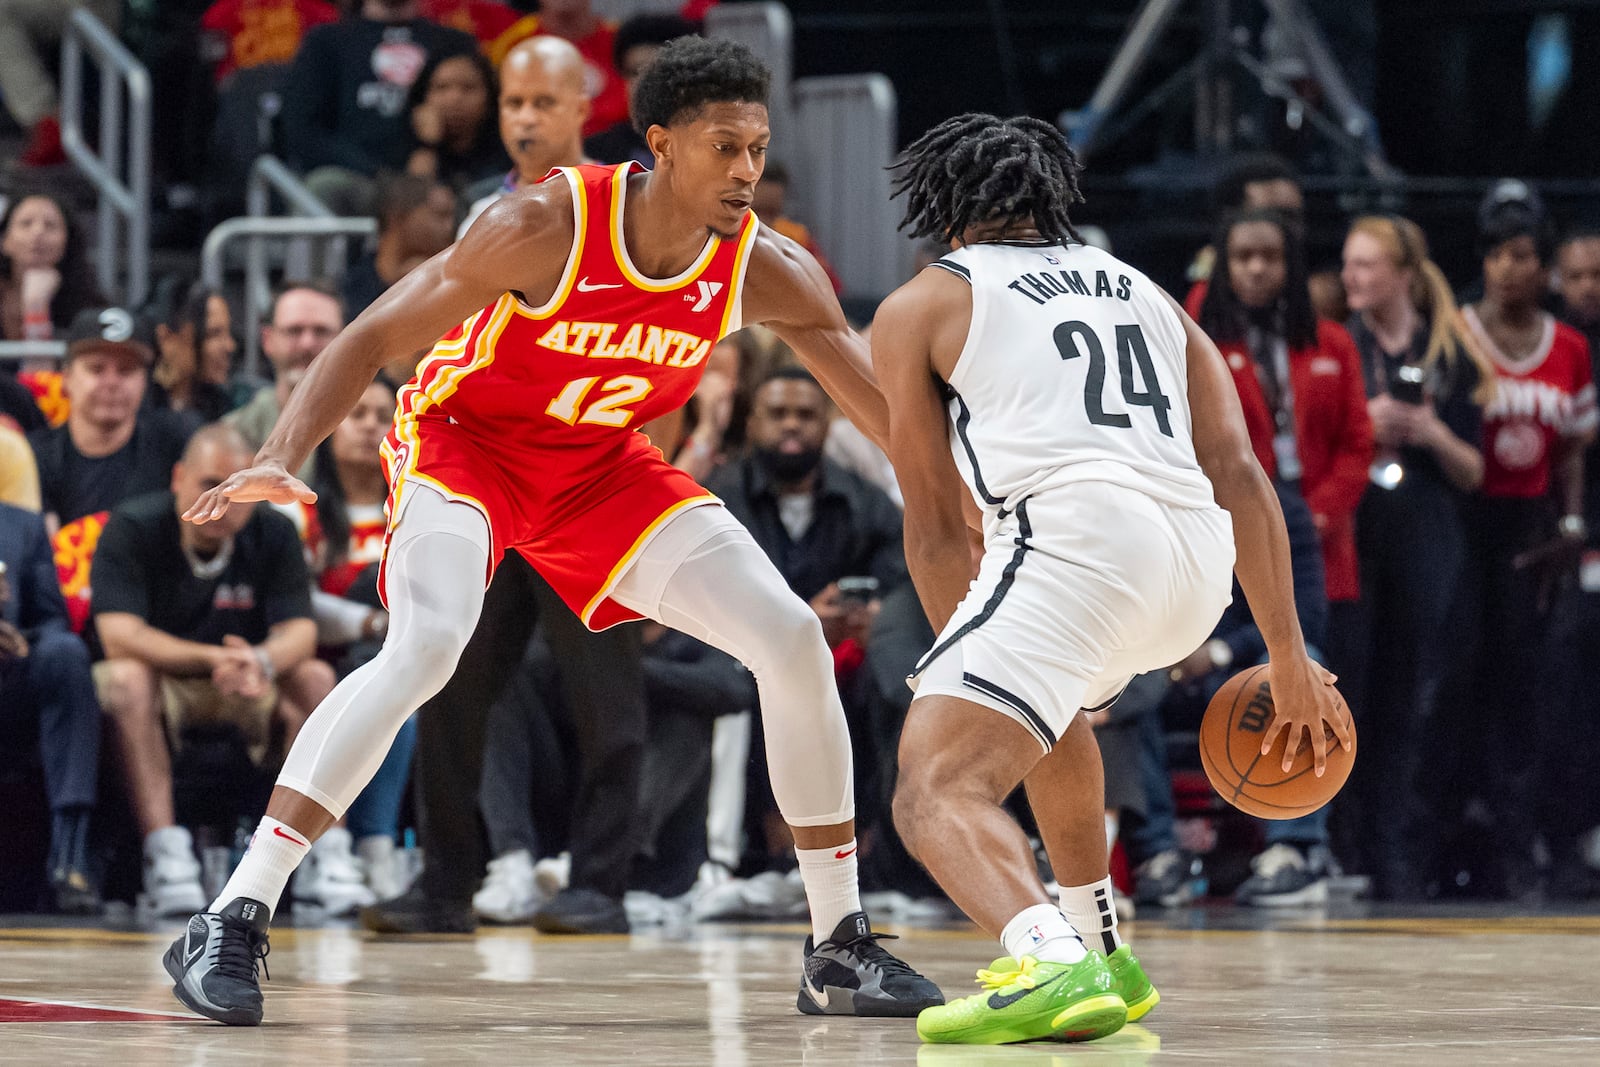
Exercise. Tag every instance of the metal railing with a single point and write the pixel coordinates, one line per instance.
(18, 351)
(213, 261)
(121, 177)
(269, 175)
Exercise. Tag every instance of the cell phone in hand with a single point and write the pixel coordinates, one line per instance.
(858, 589)
(1408, 385)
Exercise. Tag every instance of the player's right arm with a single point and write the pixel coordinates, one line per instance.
(914, 321)
(520, 242)
(1302, 691)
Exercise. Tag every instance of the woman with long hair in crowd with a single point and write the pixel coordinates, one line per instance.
(1300, 386)
(44, 269)
(195, 361)
(454, 128)
(1524, 526)
(1426, 388)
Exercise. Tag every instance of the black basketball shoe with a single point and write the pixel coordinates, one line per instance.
(851, 974)
(213, 965)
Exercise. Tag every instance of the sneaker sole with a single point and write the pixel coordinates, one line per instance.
(236, 1017)
(1138, 1009)
(1092, 1018)
(861, 1007)
(1315, 893)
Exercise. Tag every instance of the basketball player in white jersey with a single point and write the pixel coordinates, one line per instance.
(1097, 430)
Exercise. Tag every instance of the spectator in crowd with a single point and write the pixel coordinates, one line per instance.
(594, 37)
(416, 221)
(108, 450)
(638, 40)
(346, 531)
(771, 193)
(542, 110)
(453, 122)
(1535, 430)
(19, 474)
(1568, 799)
(1301, 388)
(242, 34)
(45, 278)
(18, 409)
(485, 20)
(305, 316)
(344, 105)
(1426, 390)
(29, 31)
(1259, 181)
(202, 625)
(1578, 278)
(195, 356)
(45, 684)
(819, 524)
(713, 410)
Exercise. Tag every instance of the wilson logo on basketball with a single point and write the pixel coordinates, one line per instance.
(1258, 711)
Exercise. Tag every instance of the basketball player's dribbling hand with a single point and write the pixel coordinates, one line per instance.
(268, 482)
(1303, 698)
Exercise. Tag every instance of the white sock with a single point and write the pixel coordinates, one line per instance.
(1043, 933)
(1090, 909)
(276, 849)
(832, 891)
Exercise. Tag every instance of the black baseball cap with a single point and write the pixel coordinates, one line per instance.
(101, 329)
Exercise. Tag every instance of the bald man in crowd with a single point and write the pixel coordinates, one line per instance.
(543, 107)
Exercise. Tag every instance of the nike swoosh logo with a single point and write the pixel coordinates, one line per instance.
(586, 286)
(818, 995)
(195, 953)
(289, 837)
(996, 1001)
(846, 855)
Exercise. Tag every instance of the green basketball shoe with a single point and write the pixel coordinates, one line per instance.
(1132, 985)
(1027, 1000)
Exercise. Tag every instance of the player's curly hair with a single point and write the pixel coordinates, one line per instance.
(690, 73)
(976, 167)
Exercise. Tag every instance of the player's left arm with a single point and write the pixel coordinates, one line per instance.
(789, 293)
(936, 543)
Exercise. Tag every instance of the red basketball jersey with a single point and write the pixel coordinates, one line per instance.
(1537, 401)
(530, 413)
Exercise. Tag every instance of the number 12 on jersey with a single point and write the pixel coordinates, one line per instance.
(605, 411)
(1075, 339)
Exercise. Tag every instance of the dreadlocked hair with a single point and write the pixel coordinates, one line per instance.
(975, 168)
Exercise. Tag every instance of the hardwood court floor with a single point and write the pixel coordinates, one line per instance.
(1435, 987)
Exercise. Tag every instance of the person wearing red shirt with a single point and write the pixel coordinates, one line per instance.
(1534, 433)
(239, 34)
(594, 37)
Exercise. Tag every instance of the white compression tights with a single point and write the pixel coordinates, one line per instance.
(435, 578)
(704, 575)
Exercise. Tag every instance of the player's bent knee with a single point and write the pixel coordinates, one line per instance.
(790, 633)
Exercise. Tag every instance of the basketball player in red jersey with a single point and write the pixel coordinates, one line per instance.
(572, 313)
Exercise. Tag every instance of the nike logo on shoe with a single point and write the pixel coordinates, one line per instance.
(586, 286)
(997, 1001)
(818, 995)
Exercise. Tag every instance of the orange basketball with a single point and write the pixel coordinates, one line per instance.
(1230, 751)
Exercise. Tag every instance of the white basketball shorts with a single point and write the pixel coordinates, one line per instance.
(1081, 588)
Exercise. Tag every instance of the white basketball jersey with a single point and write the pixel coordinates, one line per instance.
(1074, 370)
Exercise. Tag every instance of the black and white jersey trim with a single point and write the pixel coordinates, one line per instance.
(963, 420)
(1041, 729)
(1008, 576)
(954, 268)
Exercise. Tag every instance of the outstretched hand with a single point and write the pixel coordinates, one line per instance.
(1303, 698)
(268, 482)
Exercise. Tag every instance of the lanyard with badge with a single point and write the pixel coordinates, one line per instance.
(1273, 373)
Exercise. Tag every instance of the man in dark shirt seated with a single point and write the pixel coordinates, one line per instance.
(45, 683)
(820, 524)
(200, 624)
(108, 450)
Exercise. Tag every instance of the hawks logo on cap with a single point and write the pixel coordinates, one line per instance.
(115, 325)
